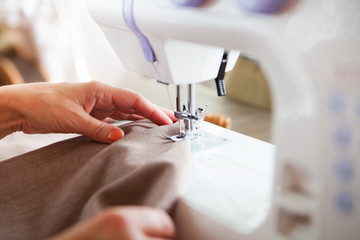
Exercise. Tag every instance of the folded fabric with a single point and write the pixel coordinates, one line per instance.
(48, 190)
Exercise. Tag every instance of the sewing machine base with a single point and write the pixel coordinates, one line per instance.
(228, 186)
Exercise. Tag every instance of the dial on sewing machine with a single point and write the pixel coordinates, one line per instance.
(184, 42)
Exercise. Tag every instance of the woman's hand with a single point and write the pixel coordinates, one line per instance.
(74, 108)
(123, 223)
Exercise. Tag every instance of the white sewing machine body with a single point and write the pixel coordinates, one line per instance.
(309, 53)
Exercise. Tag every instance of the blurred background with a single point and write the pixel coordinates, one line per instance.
(56, 41)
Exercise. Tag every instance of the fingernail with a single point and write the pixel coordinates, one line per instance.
(115, 135)
(170, 121)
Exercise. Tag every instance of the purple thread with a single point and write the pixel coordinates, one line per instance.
(130, 22)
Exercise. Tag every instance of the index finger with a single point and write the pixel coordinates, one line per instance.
(130, 102)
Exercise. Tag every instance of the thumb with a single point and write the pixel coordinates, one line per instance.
(100, 131)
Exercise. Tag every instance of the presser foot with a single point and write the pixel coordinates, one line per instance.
(175, 138)
(202, 141)
(188, 124)
(182, 136)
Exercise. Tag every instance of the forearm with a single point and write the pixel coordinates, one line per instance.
(10, 119)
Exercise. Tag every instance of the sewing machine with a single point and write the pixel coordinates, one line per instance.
(307, 187)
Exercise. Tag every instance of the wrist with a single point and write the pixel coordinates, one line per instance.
(10, 119)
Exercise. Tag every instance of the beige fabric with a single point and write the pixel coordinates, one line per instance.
(50, 189)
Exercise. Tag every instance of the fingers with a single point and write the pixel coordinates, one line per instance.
(155, 223)
(170, 114)
(98, 130)
(134, 103)
(108, 120)
(151, 222)
(115, 103)
(125, 116)
(103, 131)
(126, 223)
